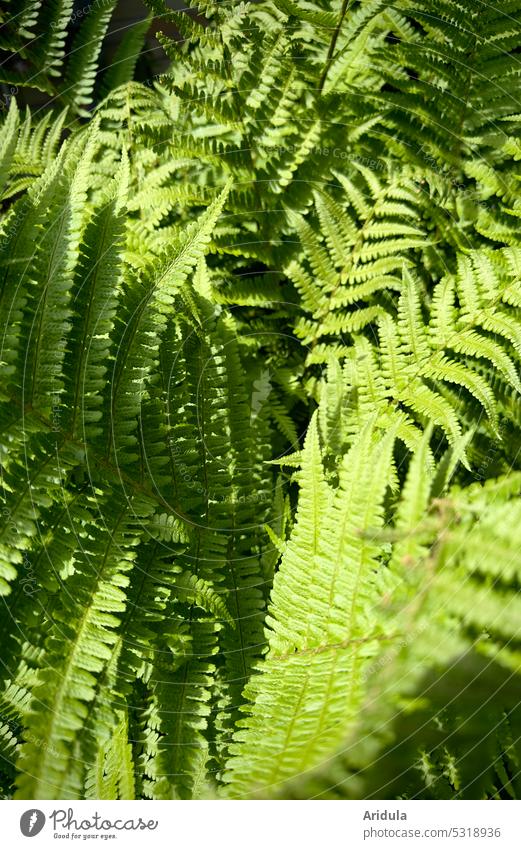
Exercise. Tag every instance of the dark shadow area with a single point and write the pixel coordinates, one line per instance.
(463, 744)
(21, 76)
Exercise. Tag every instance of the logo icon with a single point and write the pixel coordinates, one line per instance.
(32, 822)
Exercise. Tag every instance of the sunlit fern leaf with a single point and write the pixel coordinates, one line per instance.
(323, 642)
(80, 76)
(79, 645)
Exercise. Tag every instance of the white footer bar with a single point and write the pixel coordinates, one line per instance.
(262, 825)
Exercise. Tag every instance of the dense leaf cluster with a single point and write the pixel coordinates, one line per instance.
(260, 405)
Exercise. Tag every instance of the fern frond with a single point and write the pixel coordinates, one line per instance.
(80, 75)
(325, 637)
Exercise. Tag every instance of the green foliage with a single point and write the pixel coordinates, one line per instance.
(260, 407)
(55, 47)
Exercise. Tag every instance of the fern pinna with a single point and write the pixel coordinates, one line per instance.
(260, 405)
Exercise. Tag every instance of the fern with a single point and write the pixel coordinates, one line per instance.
(312, 650)
(55, 48)
(260, 404)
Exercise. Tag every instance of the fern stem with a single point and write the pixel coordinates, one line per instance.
(330, 53)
